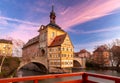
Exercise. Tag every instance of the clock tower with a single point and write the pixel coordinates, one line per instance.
(48, 33)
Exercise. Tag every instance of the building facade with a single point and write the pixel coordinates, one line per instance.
(60, 53)
(54, 44)
(31, 48)
(6, 47)
(101, 56)
(84, 55)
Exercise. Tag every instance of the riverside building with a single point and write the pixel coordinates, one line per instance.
(6, 47)
(54, 44)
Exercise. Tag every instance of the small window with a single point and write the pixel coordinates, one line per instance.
(53, 34)
(67, 49)
(50, 55)
(59, 49)
(64, 55)
(58, 55)
(50, 49)
(68, 55)
(63, 49)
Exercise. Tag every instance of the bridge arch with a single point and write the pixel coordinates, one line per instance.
(81, 61)
(42, 67)
(76, 64)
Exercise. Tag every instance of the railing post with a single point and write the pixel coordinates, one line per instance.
(116, 81)
(84, 78)
(35, 81)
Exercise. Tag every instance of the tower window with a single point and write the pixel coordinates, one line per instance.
(53, 34)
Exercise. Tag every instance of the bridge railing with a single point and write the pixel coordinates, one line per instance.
(84, 78)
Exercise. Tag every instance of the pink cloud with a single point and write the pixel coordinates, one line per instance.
(25, 27)
(24, 32)
(65, 11)
(3, 22)
(87, 11)
(71, 16)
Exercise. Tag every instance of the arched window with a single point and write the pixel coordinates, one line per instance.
(43, 51)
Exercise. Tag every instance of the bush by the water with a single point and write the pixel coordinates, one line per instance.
(92, 65)
(9, 66)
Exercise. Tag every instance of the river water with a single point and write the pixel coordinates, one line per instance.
(23, 73)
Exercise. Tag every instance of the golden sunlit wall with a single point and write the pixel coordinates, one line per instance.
(61, 56)
(52, 33)
(54, 56)
(53, 52)
(5, 49)
(67, 53)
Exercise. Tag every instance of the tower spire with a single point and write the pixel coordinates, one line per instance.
(52, 15)
(52, 8)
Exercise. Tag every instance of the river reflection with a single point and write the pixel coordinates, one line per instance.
(34, 73)
(105, 72)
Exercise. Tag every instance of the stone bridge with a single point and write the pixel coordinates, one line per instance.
(79, 62)
(42, 63)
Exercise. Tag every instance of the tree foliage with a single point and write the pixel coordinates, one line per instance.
(114, 48)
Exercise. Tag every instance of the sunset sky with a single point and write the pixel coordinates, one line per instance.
(88, 22)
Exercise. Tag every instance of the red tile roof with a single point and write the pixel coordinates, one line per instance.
(101, 49)
(58, 40)
(5, 41)
(83, 51)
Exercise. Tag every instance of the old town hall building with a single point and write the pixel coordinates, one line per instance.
(53, 43)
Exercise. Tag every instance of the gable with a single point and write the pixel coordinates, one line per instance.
(67, 41)
(42, 27)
